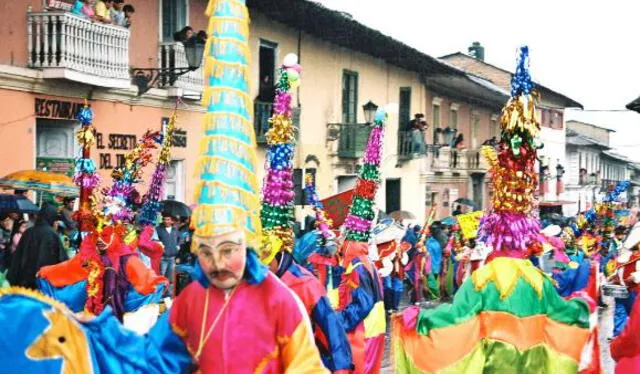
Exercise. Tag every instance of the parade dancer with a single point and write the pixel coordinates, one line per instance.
(627, 274)
(361, 304)
(239, 317)
(507, 317)
(107, 270)
(277, 217)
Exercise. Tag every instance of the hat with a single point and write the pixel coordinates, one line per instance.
(551, 230)
(227, 187)
(510, 226)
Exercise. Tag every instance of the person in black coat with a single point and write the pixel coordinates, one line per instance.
(39, 246)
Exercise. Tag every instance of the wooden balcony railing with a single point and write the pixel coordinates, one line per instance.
(68, 46)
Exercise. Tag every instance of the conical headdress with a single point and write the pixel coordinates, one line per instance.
(511, 226)
(361, 214)
(277, 215)
(227, 191)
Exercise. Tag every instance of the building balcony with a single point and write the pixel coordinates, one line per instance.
(405, 146)
(171, 55)
(351, 137)
(448, 159)
(66, 46)
(262, 112)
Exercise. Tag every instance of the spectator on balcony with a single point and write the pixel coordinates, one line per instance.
(103, 10)
(128, 14)
(458, 142)
(84, 9)
(418, 126)
(117, 13)
(183, 35)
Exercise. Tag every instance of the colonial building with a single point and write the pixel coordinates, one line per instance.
(52, 61)
(593, 168)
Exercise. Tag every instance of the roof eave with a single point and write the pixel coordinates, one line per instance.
(334, 27)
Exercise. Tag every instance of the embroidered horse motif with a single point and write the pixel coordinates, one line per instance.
(62, 339)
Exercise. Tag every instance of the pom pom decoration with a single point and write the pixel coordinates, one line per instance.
(511, 227)
(323, 223)
(85, 175)
(361, 213)
(122, 195)
(150, 211)
(277, 215)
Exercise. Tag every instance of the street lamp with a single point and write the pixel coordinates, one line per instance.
(146, 78)
(369, 111)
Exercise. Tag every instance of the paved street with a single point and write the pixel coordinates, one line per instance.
(605, 322)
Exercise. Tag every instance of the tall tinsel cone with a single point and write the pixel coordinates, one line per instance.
(359, 220)
(277, 215)
(511, 225)
(227, 191)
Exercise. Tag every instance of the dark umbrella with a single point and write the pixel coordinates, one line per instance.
(465, 201)
(175, 208)
(17, 204)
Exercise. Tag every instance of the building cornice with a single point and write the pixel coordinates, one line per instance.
(31, 80)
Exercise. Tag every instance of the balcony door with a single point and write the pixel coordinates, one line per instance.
(349, 97)
(404, 116)
(392, 194)
(175, 16)
(267, 60)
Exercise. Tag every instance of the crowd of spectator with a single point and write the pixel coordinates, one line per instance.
(114, 12)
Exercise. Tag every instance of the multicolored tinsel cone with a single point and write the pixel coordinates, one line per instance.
(120, 198)
(511, 228)
(278, 209)
(85, 175)
(323, 223)
(227, 191)
(151, 206)
(361, 214)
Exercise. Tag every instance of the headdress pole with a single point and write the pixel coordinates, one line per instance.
(227, 190)
(277, 215)
(511, 228)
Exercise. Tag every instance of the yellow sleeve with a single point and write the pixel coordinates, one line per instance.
(299, 351)
(101, 10)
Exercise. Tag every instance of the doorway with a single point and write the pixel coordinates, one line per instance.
(392, 195)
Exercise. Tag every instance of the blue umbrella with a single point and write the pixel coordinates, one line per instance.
(448, 221)
(16, 203)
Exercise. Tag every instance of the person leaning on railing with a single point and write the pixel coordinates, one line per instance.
(102, 10)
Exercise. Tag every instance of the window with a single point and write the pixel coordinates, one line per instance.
(495, 130)
(174, 189)
(453, 118)
(349, 97)
(405, 109)
(175, 16)
(266, 91)
(436, 123)
(475, 124)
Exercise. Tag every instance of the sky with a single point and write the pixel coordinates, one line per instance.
(587, 50)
